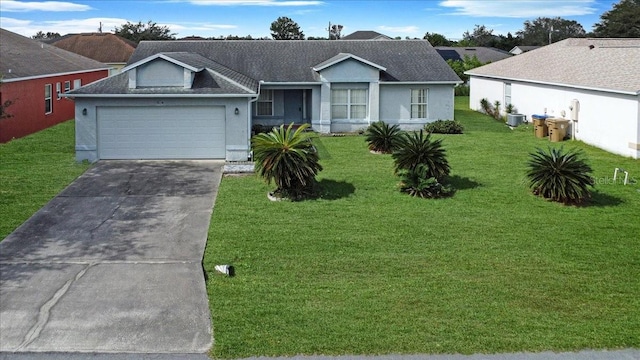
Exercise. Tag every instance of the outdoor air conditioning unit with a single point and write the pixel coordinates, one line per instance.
(515, 119)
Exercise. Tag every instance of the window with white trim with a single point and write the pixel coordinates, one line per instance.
(507, 94)
(48, 101)
(264, 105)
(348, 103)
(418, 103)
(77, 83)
(67, 86)
(58, 90)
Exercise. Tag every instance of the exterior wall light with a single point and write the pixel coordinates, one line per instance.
(237, 111)
(84, 111)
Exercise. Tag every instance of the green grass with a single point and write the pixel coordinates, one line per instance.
(369, 270)
(33, 170)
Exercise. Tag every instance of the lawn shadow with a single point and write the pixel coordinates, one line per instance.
(334, 190)
(463, 183)
(600, 199)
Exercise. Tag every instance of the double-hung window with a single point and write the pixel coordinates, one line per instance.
(264, 105)
(418, 103)
(67, 86)
(48, 103)
(348, 103)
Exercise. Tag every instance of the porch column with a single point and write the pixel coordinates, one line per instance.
(374, 101)
(323, 124)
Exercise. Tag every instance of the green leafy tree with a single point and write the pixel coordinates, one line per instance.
(460, 66)
(139, 32)
(436, 39)
(286, 29)
(335, 32)
(287, 157)
(539, 31)
(623, 21)
(48, 35)
(480, 36)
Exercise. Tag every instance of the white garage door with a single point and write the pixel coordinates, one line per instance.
(179, 132)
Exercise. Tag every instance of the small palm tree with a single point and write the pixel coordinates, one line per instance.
(288, 158)
(382, 137)
(417, 184)
(417, 149)
(560, 176)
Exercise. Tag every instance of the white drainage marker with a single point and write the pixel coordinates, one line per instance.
(626, 175)
(228, 270)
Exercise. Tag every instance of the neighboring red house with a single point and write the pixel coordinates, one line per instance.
(107, 48)
(33, 74)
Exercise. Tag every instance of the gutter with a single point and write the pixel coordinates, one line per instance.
(130, 96)
(53, 75)
(635, 93)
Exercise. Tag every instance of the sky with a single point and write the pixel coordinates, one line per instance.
(214, 18)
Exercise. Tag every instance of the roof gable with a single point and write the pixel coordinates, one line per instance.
(345, 56)
(26, 58)
(365, 35)
(603, 64)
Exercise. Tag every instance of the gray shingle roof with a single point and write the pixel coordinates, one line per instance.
(608, 64)
(365, 35)
(21, 57)
(293, 60)
(484, 54)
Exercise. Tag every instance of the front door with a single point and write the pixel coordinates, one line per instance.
(293, 106)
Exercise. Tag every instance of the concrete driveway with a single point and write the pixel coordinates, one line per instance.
(113, 263)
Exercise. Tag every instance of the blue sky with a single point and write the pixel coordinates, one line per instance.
(253, 17)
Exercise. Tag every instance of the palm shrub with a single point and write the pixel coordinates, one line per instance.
(417, 148)
(383, 137)
(422, 165)
(417, 184)
(560, 176)
(288, 158)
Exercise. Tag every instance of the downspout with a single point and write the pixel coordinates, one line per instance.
(250, 119)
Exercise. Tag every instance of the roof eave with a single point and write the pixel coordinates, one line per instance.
(53, 75)
(72, 96)
(592, 88)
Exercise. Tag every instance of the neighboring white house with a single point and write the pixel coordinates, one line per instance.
(593, 82)
(517, 50)
(199, 99)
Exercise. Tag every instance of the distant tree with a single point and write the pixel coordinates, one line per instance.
(539, 31)
(286, 29)
(623, 21)
(335, 32)
(481, 36)
(48, 35)
(139, 32)
(4, 104)
(436, 39)
(507, 42)
(460, 66)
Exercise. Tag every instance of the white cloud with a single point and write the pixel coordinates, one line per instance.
(73, 26)
(399, 29)
(21, 6)
(255, 2)
(520, 9)
(29, 27)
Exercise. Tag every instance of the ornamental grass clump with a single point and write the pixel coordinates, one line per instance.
(287, 157)
(560, 176)
(382, 137)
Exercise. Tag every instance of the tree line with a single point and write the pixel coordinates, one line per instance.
(622, 21)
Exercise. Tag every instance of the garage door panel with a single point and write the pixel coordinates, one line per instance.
(161, 133)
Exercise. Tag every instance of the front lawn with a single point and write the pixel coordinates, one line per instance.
(33, 170)
(368, 270)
